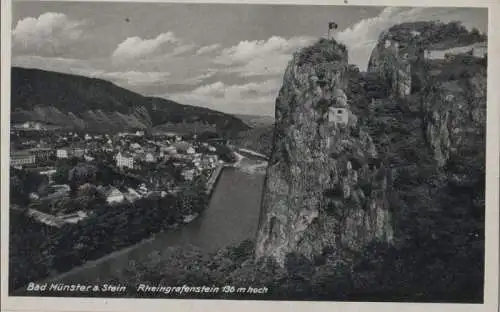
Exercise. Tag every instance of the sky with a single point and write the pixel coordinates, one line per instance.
(227, 57)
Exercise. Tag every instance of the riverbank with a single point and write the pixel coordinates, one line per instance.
(91, 265)
(232, 216)
(214, 177)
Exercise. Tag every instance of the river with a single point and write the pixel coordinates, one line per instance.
(232, 216)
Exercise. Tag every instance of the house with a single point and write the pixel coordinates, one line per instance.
(143, 190)
(208, 162)
(62, 153)
(49, 173)
(45, 218)
(188, 174)
(338, 115)
(57, 191)
(112, 194)
(139, 133)
(150, 158)
(88, 158)
(20, 158)
(74, 217)
(42, 153)
(168, 149)
(88, 137)
(131, 195)
(135, 146)
(77, 152)
(124, 160)
(477, 50)
(34, 125)
(184, 147)
(480, 50)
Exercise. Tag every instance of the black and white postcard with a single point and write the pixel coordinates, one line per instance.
(266, 154)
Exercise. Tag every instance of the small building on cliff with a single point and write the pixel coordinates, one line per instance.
(338, 115)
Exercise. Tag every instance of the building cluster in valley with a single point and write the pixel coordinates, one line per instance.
(147, 165)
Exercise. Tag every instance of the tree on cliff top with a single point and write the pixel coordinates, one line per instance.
(322, 51)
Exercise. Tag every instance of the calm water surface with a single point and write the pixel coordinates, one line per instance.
(231, 217)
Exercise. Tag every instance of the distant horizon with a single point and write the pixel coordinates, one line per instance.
(231, 59)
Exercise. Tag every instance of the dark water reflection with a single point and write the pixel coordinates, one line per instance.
(231, 217)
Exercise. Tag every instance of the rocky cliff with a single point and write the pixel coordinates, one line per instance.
(454, 114)
(391, 61)
(451, 92)
(324, 185)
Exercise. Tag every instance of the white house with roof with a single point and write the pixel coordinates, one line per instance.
(338, 115)
(188, 174)
(478, 50)
(135, 146)
(124, 160)
(62, 153)
(150, 158)
(74, 217)
(112, 194)
(20, 158)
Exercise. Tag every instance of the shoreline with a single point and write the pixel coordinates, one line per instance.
(214, 178)
(211, 184)
(91, 263)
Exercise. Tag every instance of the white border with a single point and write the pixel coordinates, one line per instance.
(88, 304)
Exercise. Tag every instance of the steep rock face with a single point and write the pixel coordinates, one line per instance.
(451, 92)
(392, 63)
(454, 115)
(324, 186)
(401, 51)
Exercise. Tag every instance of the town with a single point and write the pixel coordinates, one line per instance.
(67, 166)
